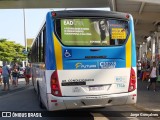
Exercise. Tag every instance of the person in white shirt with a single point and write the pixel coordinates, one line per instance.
(153, 77)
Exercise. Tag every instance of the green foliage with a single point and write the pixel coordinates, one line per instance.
(10, 51)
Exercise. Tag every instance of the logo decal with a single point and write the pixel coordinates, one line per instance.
(121, 79)
(107, 65)
(67, 53)
(78, 65)
(120, 85)
(83, 66)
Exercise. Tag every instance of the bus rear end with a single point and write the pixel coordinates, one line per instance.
(95, 63)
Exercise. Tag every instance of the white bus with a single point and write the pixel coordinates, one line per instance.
(85, 59)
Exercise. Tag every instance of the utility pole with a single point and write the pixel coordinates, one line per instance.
(25, 40)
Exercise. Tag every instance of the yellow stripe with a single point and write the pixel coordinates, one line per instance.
(128, 52)
(58, 53)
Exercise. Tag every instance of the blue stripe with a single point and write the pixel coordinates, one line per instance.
(133, 42)
(50, 57)
(94, 64)
(78, 54)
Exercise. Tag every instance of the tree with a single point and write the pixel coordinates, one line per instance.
(10, 51)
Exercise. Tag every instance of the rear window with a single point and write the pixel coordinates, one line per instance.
(92, 31)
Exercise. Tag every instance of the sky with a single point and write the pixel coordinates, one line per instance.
(12, 23)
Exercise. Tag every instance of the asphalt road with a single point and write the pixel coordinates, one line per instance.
(26, 100)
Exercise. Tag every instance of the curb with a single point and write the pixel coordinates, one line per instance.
(146, 110)
(143, 108)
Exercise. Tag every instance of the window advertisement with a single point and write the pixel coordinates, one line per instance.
(92, 31)
(119, 31)
(85, 32)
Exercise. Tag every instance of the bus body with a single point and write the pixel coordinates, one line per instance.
(75, 64)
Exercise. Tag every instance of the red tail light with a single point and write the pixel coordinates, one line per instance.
(132, 82)
(127, 16)
(53, 14)
(55, 87)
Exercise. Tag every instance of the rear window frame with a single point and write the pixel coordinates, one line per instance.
(107, 18)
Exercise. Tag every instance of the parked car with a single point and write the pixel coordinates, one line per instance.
(21, 72)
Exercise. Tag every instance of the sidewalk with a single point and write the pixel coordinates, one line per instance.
(148, 100)
(21, 86)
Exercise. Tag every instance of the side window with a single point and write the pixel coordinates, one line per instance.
(39, 47)
(37, 53)
(37, 50)
(34, 52)
(44, 44)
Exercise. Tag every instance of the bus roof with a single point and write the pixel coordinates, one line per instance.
(90, 13)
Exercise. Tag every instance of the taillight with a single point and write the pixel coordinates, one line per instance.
(55, 87)
(53, 14)
(132, 82)
(127, 16)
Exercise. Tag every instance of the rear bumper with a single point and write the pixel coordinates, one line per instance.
(62, 103)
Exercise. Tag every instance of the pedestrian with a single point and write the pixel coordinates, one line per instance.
(148, 65)
(153, 77)
(18, 70)
(139, 67)
(27, 73)
(15, 76)
(5, 75)
(0, 75)
(143, 65)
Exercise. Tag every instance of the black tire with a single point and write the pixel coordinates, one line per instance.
(39, 99)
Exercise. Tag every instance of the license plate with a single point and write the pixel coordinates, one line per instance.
(96, 88)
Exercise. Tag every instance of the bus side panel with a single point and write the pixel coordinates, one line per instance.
(34, 76)
(131, 60)
(133, 52)
(132, 96)
(133, 43)
(38, 73)
(48, 74)
(42, 84)
(50, 55)
(128, 52)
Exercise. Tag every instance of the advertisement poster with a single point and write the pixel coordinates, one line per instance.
(118, 33)
(85, 32)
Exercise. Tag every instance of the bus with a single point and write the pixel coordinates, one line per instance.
(84, 59)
